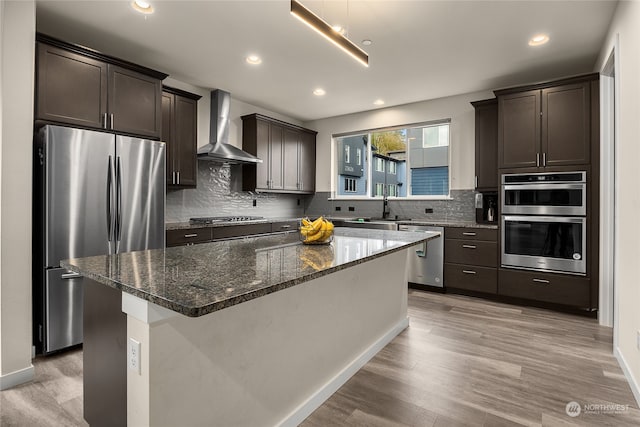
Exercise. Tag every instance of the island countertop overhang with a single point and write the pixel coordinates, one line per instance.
(200, 279)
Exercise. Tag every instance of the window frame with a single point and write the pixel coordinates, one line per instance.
(369, 172)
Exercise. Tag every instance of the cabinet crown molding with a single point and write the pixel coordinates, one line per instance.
(547, 84)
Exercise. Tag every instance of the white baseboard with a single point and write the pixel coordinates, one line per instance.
(635, 387)
(325, 392)
(16, 378)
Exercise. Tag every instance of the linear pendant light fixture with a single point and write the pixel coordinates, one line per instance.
(325, 30)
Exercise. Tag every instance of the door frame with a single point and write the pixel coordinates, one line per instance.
(609, 131)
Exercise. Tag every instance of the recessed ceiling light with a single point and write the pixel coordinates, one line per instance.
(254, 59)
(319, 92)
(142, 6)
(538, 40)
(378, 102)
(366, 42)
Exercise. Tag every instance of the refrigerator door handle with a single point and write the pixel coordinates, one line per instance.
(109, 199)
(118, 199)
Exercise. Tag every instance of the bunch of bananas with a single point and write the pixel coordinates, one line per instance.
(316, 258)
(317, 231)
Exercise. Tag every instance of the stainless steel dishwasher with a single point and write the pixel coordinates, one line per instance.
(426, 265)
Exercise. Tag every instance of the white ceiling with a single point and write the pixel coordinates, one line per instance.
(421, 49)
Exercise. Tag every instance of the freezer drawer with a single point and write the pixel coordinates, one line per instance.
(63, 311)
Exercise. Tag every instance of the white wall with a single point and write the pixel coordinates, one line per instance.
(17, 35)
(627, 285)
(457, 108)
(238, 109)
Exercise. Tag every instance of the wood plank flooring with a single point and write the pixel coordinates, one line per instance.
(469, 362)
(462, 362)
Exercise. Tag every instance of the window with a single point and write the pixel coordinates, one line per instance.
(379, 164)
(350, 185)
(393, 168)
(417, 158)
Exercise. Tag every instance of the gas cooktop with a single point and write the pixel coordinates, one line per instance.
(212, 219)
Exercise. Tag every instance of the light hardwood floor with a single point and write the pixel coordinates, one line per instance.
(469, 362)
(462, 362)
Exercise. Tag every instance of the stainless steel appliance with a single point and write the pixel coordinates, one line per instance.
(95, 193)
(544, 222)
(426, 267)
(556, 193)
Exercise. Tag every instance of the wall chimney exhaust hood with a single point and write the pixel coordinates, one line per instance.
(218, 149)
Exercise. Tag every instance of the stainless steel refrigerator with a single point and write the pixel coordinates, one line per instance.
(95, 193)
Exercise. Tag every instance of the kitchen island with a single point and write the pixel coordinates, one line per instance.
(254, 331)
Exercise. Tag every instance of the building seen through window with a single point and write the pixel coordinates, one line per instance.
(404, 162)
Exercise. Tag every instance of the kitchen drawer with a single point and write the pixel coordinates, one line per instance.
(471, 252)
(188, 236)
(471, 233)
(284, 226)
(555, 288)
(480, 279)
(240, 230)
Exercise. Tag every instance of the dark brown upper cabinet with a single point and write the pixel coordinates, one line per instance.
(82, 87)
(288, 154)
(486, 112)
(179, 132)
(546, 125)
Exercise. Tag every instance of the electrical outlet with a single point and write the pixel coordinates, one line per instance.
(428, 210)
(255, 202)
(134, 355)
(351, 208)
(338, 208)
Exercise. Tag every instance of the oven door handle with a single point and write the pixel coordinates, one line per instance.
(537, 218)
(545, 186)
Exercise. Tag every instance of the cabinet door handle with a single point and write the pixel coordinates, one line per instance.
(178, 177)
(541, 281)
(188, 236)
(544, 159)
(469, 246)
(111, 121)
(468, 233)
(104, 121)
(537, 160)
(468, 272)
(476, 181)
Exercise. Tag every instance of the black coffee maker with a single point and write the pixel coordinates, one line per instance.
(487, 208)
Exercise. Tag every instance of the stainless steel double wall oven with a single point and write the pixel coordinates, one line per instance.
(544, 221)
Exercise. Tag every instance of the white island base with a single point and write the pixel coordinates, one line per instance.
(269, 361)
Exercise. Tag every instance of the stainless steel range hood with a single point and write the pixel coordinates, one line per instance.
(218, 149)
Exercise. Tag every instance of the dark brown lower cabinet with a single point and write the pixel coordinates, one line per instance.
(553, 288)
(472, 278)
(189, 236)
(104, 356)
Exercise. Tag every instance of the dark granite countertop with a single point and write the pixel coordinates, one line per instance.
(187, 225)
(453, 223)
(200, 279)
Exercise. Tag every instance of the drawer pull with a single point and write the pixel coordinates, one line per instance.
(468, 233)
(541, 281)
(469, 246)
(468, 272)
(285, 226)
(187, 236)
